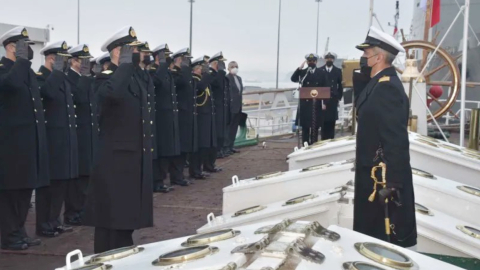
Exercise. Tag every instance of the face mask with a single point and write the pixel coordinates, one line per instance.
(136, 59)
(364, 68)
(234, 71)
(146, 60)
(169, 60)
(30, 53)
(312, 65)
(329, 63)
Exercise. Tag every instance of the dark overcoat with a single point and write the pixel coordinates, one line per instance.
(87, 124)
(120, 191)
(61, 124)
(187, 106)
(220, 95)
(166, 115)
(334, 81)
(23, 139)
(383, 110)
(311, 78)
(207, 133)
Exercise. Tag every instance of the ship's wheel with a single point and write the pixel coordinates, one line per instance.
(442, 71)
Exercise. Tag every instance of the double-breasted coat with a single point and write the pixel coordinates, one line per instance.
(23, 139)
(309, 78)
(383, 111)
(334, 81)
(207, 133)
(187, 106)
(166, 115)
(120, 191)
(87, 123)
(220, 93)
(61, 124)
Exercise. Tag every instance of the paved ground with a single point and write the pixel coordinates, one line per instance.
(176, 214)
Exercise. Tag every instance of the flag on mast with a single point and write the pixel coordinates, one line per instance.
(435, 12)
(397, 16)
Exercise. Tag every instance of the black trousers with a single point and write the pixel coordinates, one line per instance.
(108, 239)
(328, 130)
(168, 165)
(209, 156)
(233, 128)
(76, 194)
(220, 144)
(14, 206)
(195, 163)
(48, 202)
(306, 136)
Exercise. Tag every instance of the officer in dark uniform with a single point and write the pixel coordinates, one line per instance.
(119, 198)
(382, 136)
(167, 137)
(207, 139)
(104, 61)
(220, 93)
(23, 141)
(61, 126)
(187, 106)
(81, 85)
(310, 77)
(334, 80)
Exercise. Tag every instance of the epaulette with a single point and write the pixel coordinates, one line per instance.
(107, 72)
(1, 65)
(38, 73)
(384, 79)
(152, 68)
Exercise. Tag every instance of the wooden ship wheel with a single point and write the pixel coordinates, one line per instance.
(442, 71)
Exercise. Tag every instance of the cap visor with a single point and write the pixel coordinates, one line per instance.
(85, 57)
(363, 46)
(135, 43)
(64, 54)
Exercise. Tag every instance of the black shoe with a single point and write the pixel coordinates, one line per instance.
(75, 221)
(199, 176)
(48, 233)
(32, 242)
(161, 188)
(235, 151)
(63, 229)
(187, 164)
(205, 174)
(214, 170)
(20, 245)
(220, 155)
(182, 183)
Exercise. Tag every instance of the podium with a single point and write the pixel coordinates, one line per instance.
(313, 93)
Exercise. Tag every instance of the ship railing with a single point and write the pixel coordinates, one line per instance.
(272, 112)
(471, 104)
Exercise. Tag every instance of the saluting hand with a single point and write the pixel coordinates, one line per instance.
(85, 67)
(59, 63)
(21, 49)
(126, 53)
(302, 65)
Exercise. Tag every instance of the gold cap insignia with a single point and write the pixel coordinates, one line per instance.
(146, 45)
(24, 32)
(311, 56)
(64, 46)
(132, 32)
(85, 49)
(314, 93)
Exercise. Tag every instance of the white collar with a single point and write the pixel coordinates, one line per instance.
(76, 71)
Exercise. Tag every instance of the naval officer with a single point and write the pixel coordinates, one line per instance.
(62, 141)
(334, 81)
(382, 136)
(168, 140)
(23, 148)
(81, 82)
(310, 77)
(119, 198)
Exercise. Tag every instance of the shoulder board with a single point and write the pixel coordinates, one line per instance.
(384, 79)
(1, 65)
(38, 73)
(153, 68)
(108, 72)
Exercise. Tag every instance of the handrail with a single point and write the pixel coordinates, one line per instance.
(268, 91)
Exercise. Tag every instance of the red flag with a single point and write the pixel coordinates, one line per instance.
(435, 12)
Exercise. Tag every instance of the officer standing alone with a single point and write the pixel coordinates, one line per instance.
(382, 138)
(334, 81)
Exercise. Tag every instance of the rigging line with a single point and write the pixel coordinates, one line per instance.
(469, 25)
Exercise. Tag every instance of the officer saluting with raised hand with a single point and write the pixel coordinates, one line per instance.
(119, 199)
(166, 116)
(23, 148)
(61, 126)
(382, 140)
(81, 82)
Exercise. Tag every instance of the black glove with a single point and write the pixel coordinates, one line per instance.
(205, 68)
(22, 49)
(30, 53)
(97, 68)
(221, 65)
(169, 61)
(386, 193)
(126, 54)
(146, 60)
(162, 57)
(186, 61)
(59, 63)
(85, 67)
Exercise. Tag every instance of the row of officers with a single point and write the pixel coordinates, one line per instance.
(101, 136)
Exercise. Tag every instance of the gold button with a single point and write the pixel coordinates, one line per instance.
(151, 122)
(75, 116)
(44, 110)
(151, 149)
(45, 121)
(143, 149)
(33, 99)
(37, 121)
(70, 125)
(74, 106)
(68, 106)
(35, 110)
(143, 121)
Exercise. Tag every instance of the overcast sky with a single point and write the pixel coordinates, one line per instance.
(245, 30)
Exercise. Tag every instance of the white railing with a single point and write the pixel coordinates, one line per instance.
(449, 116)
(273, 112)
